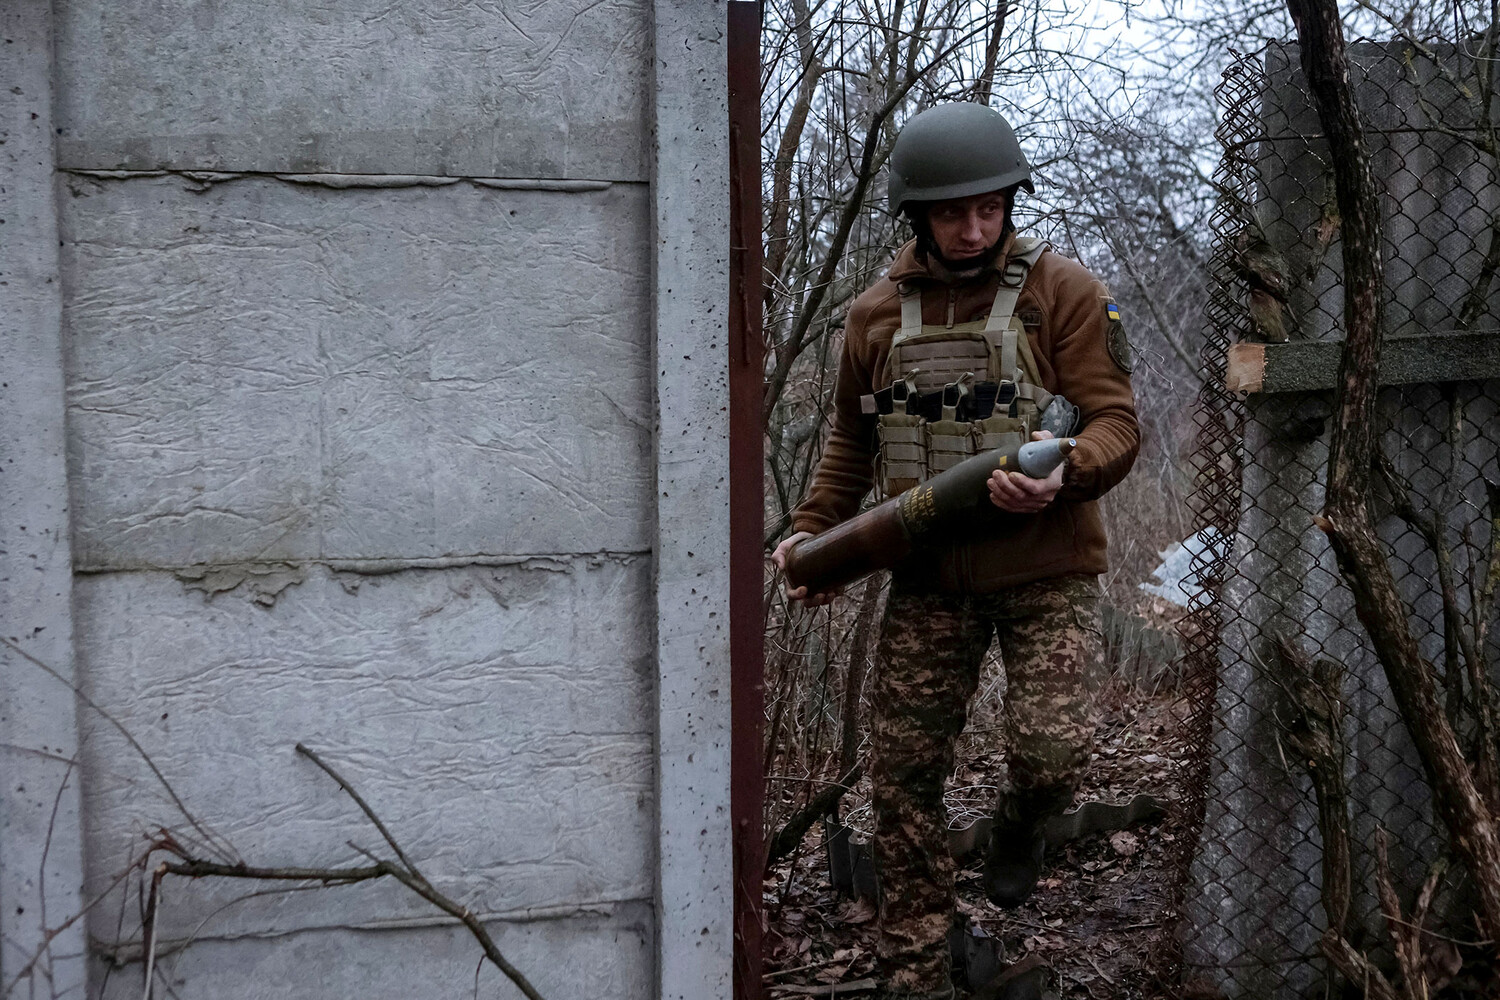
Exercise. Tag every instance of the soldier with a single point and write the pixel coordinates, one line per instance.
(963, 346)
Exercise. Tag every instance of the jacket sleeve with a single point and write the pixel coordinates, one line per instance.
(846, 471)
(1089, 377)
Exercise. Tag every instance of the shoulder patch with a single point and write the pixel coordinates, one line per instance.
(1115, 339)
(1030, 317)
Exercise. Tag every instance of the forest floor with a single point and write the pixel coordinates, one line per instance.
(1097, 915)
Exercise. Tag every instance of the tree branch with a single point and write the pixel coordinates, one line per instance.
(363, 805)
(984, 87)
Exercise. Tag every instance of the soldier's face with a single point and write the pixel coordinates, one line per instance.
(964, 228)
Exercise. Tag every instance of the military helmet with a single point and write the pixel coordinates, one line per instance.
(954, 151)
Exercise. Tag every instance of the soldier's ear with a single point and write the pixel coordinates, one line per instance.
(916, 217)
(1010, 206)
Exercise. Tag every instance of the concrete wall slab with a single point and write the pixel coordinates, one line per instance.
(555, 89)
(498, 718)
(265, 370)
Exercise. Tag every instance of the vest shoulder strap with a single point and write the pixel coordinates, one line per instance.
(999, 328)
(911, 315)
(1023, 257)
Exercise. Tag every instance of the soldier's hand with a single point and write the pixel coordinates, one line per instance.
(1018, 493)
(800, 593)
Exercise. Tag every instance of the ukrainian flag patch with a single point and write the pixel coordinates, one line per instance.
(1115, 339)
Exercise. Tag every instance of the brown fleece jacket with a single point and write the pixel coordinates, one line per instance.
(1063, 309)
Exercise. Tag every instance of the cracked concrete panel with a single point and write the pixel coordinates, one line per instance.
(553, 89)
(269, 371)
(499, 719)
(603, 956)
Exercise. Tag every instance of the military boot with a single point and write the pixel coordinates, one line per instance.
(1013, 860)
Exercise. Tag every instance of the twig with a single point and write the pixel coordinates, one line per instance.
(194, 868)
(776, 974)
(1455, 630)
(335, 876)
(364, 807)
(153, 911)
(1460, 942)
(422, 888)
(832, 989)
(1425, 896)
(1355, 967)
(41, 870)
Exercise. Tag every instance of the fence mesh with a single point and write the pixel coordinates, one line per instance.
(1274, 610)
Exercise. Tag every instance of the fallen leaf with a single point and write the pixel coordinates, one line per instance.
(1125, 843)
(856, 911)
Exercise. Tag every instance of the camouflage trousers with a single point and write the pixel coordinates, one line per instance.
(931, 649)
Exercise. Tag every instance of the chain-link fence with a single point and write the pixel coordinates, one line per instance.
(1277, 615)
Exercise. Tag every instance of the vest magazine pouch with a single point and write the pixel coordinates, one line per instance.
(1000, 432)
(903, 452)
(948, 443)
(1027, 411)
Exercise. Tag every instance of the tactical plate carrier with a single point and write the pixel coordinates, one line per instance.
(957, 390)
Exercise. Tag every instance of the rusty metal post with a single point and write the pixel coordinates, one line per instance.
(746, 487)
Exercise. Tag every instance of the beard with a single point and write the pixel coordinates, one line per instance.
(964, 268)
